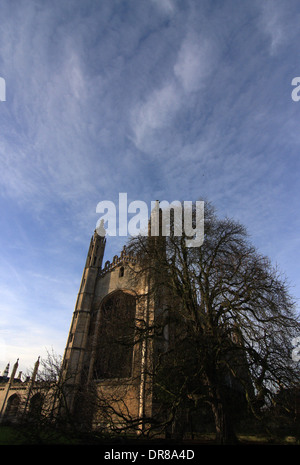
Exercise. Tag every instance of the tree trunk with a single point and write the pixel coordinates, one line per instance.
(224, 430)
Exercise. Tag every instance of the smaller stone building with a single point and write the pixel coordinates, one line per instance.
(19, 397)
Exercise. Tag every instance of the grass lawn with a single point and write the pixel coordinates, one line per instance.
(10, 435)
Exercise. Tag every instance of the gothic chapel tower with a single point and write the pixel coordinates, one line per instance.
(105, 352)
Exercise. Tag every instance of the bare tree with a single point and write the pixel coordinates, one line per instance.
(47, 404)
(231, 320)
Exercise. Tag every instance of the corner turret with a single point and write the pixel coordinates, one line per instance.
(76, 344)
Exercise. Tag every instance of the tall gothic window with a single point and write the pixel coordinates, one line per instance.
(116, 337)
(13, 405)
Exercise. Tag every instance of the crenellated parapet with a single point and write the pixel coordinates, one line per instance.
(124, 258)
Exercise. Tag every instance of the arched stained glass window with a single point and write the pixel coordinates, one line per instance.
(116, 337)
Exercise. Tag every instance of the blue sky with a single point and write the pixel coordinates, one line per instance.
(161, 99)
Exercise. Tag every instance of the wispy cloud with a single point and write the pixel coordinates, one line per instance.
(156, 113)
(278, 22)
(196, 60)
(166, 6)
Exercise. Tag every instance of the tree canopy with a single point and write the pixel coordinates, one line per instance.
(233, 321)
